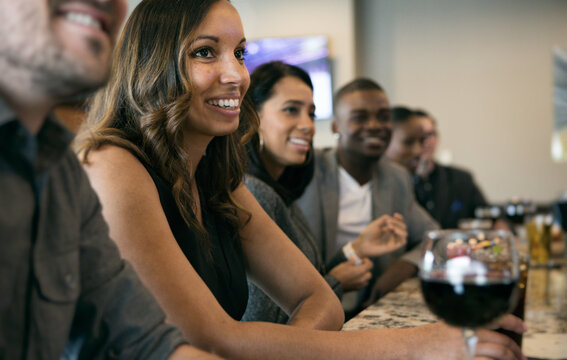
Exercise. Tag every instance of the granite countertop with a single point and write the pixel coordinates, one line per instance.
(546, 312)
(401, 308)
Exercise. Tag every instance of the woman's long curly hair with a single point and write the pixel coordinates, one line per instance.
(144, 107)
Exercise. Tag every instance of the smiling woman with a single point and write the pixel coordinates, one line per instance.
(177, 90)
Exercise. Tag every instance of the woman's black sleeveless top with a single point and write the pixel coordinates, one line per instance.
(224, 274)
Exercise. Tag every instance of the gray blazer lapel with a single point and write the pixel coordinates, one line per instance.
(330, 202)
(382, 188)
(384, 198)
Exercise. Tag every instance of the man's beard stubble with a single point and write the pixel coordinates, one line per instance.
(60, 74)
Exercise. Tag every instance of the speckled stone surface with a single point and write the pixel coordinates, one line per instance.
(401, 308)
(546, 312)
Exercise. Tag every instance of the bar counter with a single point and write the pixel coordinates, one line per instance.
(545, 312)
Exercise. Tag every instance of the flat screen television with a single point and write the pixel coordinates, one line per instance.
(311, 53)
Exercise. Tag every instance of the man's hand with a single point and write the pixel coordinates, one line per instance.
(381, 236)
(351, 276)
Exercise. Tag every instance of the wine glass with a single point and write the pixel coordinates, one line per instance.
(469, 278)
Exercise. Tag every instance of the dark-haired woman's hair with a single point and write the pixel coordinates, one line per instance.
(145, 104)
(291, 184)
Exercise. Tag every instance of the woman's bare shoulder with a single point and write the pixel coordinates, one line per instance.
(110, 155)
(116, 166)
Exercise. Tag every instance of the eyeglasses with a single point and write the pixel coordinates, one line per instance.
(429, 134)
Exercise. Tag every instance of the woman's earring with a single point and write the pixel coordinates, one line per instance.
(337, 136)
(261, 142)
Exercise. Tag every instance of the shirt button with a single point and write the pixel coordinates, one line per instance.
(430, 205)
(427, 186)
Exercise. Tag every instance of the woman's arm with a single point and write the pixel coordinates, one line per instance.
(137, 223)
(185, 352)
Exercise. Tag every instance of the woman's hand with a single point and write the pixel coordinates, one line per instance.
(440, 341)
(351, 276)
(381, 236)
(499, 346)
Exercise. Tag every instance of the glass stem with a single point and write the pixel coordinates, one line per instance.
(470, 342)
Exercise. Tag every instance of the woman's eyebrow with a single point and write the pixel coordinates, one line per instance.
(213, 38)
(294, 102)
(206, 37)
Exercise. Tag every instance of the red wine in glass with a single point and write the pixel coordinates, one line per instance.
(471, 305)
(469, 278)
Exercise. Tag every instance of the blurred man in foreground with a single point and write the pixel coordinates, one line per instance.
(65, 289)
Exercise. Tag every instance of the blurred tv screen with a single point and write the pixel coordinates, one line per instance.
(311, 53)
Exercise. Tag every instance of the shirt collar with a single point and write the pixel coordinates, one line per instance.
(53, 138)
(6, 113)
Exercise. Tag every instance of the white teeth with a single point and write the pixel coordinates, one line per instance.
(83, 19)
(372, 140)
(298, 141)
(225, 103)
